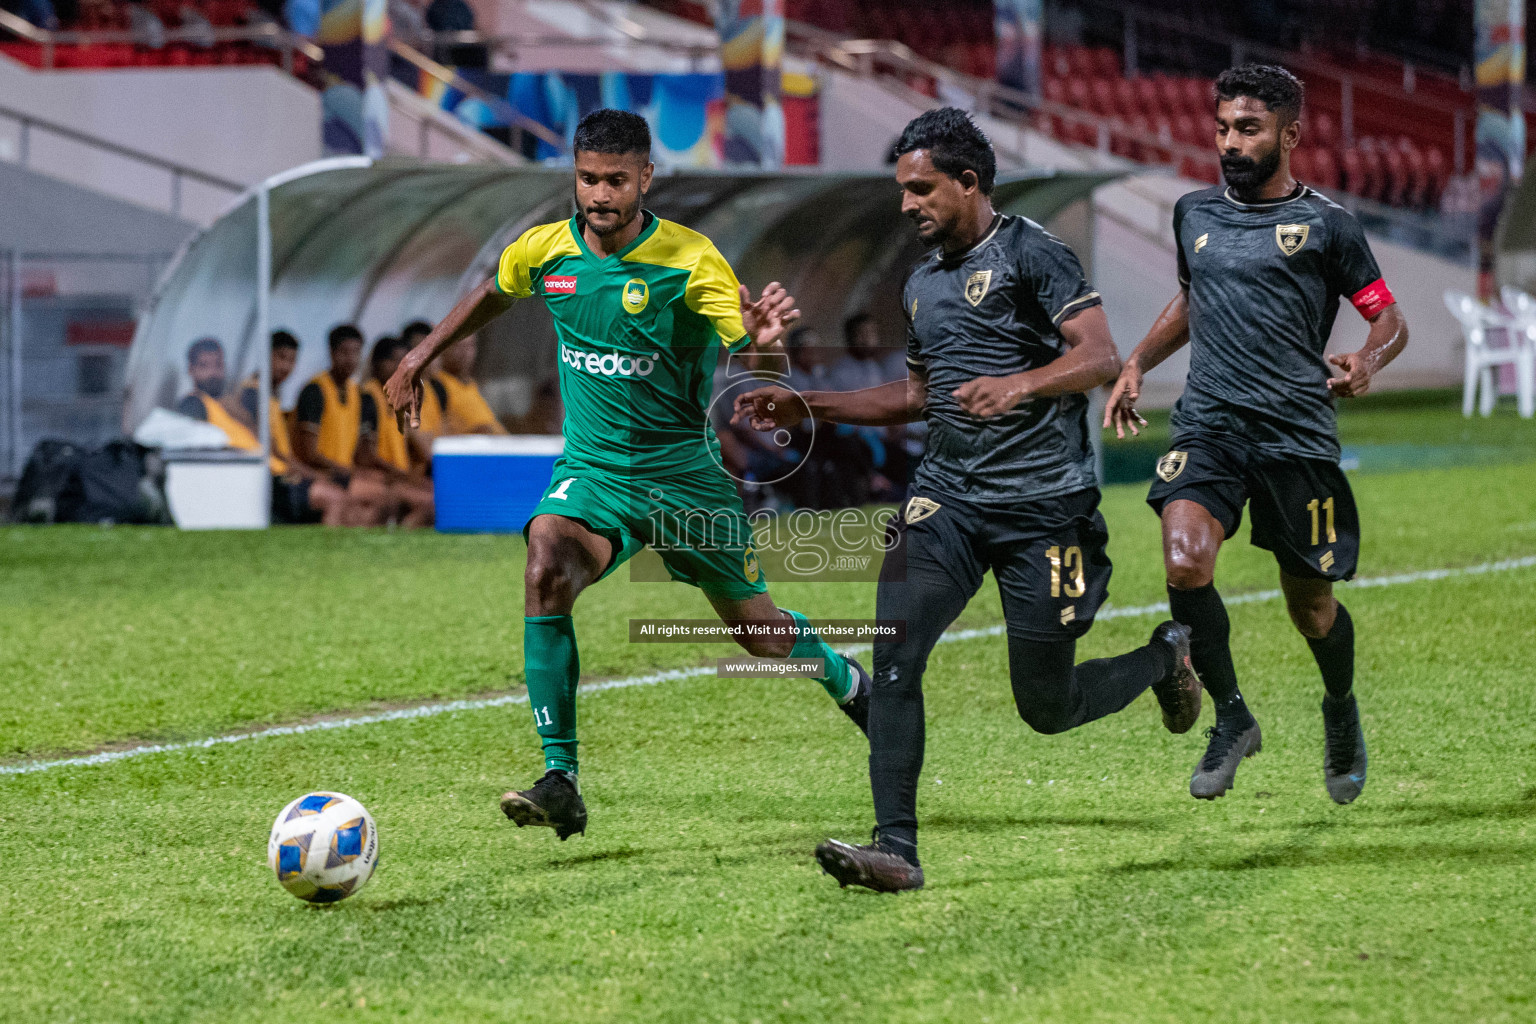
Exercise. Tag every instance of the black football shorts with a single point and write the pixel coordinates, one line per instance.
(1050, 557)
(1303, 509)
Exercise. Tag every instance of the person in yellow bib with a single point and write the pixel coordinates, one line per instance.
(434, 400)
(385, 448)
(299, 494)
(330, 418)
(465, 410)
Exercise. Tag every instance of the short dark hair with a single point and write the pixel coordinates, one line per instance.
(284, 339)
(420, 327)
(954, 144)
(798, 335)
(613, 131)
(342, 333)
(852, 324)
(386, 347)
(1276, 88)
(202, 345)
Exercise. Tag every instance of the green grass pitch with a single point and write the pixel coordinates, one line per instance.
(1070, 878)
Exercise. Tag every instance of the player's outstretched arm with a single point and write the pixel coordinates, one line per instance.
(1388, 337)
(1090, 360)
(772, 408)
(473, 312)
(1169, 333)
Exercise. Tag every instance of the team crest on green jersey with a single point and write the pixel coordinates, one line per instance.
(1291, 237)
(749, 567)
(976, 286)
(636, 294)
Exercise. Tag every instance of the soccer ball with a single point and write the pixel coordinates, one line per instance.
(323, 847)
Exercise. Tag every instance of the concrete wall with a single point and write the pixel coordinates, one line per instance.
(242, 124)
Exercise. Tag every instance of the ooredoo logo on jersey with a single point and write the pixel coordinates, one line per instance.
(609, 364)
(559, 286)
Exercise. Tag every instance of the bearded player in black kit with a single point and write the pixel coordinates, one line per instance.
(1004, 334)
(1263, 263)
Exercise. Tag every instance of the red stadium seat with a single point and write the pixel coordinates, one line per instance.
(1354, 172)
(1126, 104)
(1322, 129)
(1197, 96)
(1325, 169)
(1170, 95)
(1436, 174)
(1146, 98)
(1080, 62)
(1106, 62)
(1301, 165)
(1418, 172)
(1395, 187)
(1184, 130)
(1375, 170)
(1102, 97)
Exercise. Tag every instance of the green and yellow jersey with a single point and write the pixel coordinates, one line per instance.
(639, 337)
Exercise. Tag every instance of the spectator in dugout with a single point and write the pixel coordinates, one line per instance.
(295, 496)
(330, 419)
(384, 448)
(465, 410)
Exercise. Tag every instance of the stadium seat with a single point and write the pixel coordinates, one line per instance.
(1323, 129)
(1436, 174)
(1301, 165)
(1325, 169)
(1102, 97)
(1197, 96)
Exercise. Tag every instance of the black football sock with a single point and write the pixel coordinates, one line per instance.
(1335, 655)
(901, 840)
(1210, 632)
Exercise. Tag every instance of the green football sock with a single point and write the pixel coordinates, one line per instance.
(552, 668)
(838, 680)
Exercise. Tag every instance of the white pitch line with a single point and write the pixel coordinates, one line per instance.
(674, 675)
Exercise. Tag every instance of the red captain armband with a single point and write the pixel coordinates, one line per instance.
(1373, 298)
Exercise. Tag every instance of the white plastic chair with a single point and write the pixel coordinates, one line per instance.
(1523, 307)
(1477, 320)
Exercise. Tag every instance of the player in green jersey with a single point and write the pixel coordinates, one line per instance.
(641, 308)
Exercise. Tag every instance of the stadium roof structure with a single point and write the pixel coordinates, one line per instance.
(379, 243)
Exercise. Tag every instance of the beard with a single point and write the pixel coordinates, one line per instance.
(1245, 174)
(623, 218)
(213, 387)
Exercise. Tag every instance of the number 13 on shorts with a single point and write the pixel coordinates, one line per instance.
(1070, 562)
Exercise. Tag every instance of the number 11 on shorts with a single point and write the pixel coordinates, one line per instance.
(559, 492)
(1326, 506)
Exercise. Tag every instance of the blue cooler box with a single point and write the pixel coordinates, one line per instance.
(488, 483)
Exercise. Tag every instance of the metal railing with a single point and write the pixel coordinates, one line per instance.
(519, 123)
(178, 172)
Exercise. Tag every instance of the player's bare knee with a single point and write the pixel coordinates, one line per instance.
(549, 586)
(1313, 617)
(1189, 567)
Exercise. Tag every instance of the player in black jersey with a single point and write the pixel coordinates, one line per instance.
(1004, 336)
(1262, 265)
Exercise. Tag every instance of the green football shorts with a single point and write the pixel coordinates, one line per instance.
(694, 521)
